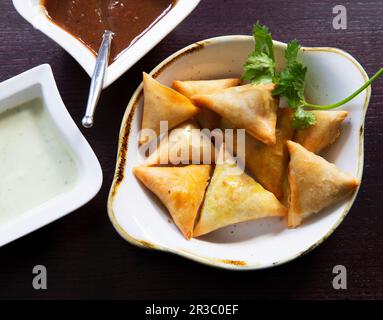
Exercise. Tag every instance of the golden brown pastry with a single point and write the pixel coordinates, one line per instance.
(268, 163)
(192, 88)
(206, 118)
(250, 107)
(163, 104)
(181, 190)
(234, 197)
(314, 184)
(317, 137)
(186, 144)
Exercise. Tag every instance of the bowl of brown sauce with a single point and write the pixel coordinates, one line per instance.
(78, 26)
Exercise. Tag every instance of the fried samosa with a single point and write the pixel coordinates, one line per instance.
(250, 107)
(234, 197)
(192, 88)
(314, 184)
(186, 144)
(317, 137)
(206, 118)
(163, 104)
(181, 190)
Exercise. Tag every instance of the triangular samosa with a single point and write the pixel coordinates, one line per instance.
(206, 118)
(317, 137)
(250, 107)
(186, 144)
(234, 197)
(192, 88)
(181, 190)
(163, 104)
(314, 184)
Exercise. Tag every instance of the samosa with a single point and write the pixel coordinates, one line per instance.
(250, 107)
(186, 144)
(323, 133)
(314, 184)
(192, 88)
(206, 118)
(181, 190)
(163, 104)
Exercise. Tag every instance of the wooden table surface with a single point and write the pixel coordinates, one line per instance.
(84, 255)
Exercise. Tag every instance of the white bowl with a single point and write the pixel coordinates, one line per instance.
(33, 12)
(140, 219)
(39, 83)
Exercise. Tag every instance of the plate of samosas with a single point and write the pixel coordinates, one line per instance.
(241, 152)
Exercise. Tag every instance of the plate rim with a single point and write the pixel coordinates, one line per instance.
(124, 136)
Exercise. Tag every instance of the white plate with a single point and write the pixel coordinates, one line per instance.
(142, 220)
(39, 83)
(33, 12)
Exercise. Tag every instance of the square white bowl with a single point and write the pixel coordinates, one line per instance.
(39, 83)
(34, 13)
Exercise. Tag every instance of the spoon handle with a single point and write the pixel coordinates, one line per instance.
(97, 82)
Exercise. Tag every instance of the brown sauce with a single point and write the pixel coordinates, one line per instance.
(88, 19)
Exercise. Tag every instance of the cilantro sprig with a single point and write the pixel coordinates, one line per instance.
(290, 82)
(260, 65)
(291, 85)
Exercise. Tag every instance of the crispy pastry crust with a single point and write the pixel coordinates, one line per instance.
(324, 133)
(163, 104)
(234, 197)
(314, 184)
(250, 107)
(181, 190)
(206, 118)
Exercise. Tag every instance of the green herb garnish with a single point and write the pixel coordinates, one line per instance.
(260, 65)
(290, 83)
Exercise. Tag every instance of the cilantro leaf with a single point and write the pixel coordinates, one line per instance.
(302, 118)
(291, 52)
(260, 65)
(263, 40)
(291, 83)
(259, 68)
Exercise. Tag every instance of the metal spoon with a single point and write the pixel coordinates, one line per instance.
(97, 82)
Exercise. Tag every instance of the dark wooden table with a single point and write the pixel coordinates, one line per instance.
(87, 259)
